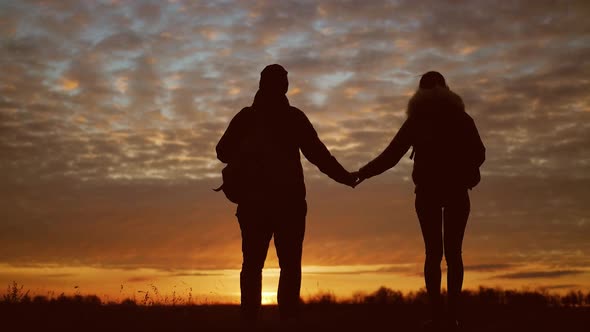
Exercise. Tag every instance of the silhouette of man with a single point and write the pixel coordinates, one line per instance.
(447, 153)
(269, 136)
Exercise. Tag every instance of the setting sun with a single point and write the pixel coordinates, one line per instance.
(269, 297)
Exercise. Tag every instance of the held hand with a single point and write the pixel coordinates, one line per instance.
(358, 178)
(351, 180)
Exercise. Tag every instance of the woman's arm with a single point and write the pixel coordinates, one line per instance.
(392, 153)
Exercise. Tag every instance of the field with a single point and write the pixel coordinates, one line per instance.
(383, 310)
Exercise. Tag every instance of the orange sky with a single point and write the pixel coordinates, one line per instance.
(110, 112)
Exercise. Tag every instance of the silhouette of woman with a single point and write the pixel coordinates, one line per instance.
(447, 153)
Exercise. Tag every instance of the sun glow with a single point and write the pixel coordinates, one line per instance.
(269, 297)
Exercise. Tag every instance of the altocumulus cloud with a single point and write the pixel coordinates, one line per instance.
(110, 111)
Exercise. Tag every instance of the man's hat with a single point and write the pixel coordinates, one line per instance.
(271, 76)
(432, 79)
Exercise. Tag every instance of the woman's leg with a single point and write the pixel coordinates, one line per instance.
(429, 214)
(456, 213)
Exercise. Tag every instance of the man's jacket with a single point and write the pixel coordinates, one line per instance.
(269, 136)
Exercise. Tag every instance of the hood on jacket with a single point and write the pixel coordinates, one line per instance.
(272, 89)
(438, 100)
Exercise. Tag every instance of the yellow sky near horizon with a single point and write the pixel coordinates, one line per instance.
(222, 286)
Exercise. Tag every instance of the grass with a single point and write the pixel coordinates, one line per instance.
(485, 309)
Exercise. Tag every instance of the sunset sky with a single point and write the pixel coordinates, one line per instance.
(110, 112)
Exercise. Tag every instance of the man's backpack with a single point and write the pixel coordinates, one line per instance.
(231, 183)
(239, 175)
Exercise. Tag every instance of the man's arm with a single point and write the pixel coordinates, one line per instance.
(318, 154)
(392, 153)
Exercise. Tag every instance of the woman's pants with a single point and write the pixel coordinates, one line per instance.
(443, 218)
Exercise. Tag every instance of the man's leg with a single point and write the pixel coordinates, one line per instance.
(456, 213)
(288, 239)
(429, 214)
(256, 237)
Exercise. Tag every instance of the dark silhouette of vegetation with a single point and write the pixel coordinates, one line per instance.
(487, 309)
(481, 297)
(484, 296)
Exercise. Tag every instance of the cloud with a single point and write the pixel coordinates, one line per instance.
(110, 112)
(124, 41)
(196, 274)
(406, 269)
(142, 279)
(539, 274)
(489, 267)
(59, 275)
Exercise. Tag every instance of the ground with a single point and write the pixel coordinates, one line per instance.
(315, 317)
